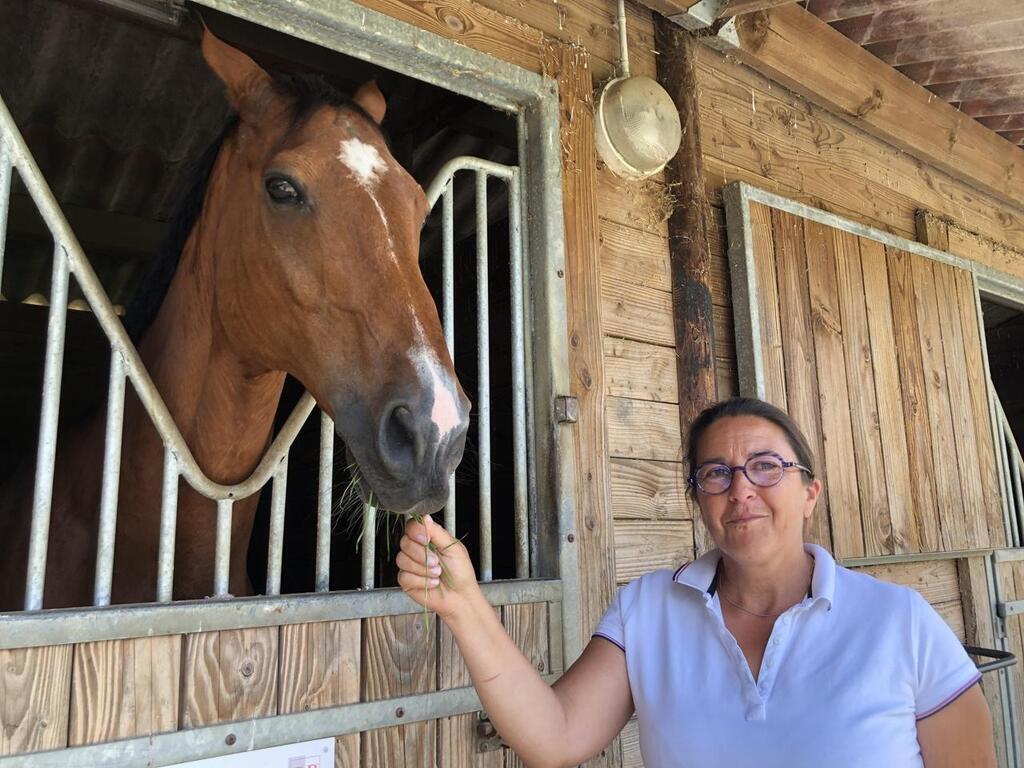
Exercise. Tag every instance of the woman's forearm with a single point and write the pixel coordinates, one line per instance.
(524, 709)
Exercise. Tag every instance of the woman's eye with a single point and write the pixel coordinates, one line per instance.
(282, 190)
(765, 466)
(716, 473)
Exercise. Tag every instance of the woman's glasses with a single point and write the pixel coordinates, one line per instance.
(764, 470)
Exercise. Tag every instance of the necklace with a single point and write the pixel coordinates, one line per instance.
(721, 594)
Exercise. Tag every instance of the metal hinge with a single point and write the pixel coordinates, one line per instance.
(487, 738)
(567, 409)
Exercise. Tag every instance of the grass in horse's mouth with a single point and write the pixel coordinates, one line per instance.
(357, 500)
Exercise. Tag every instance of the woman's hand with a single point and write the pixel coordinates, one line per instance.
(434, 569)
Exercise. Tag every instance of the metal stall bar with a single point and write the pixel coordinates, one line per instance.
(368, 542)
(222, 558)
(46, 453)
(448, 310)
(168, 526)
(111, 481)
(5, 197)
(521, 499)
(325, 499)
(483, 395)
(275, 549)
(1015, 464)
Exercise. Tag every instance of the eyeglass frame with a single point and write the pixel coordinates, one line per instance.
(694, 483)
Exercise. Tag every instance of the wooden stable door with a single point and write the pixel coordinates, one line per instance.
(876, 352)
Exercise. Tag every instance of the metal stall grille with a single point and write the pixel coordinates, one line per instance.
(539, 367)
(179, 462)
(1011, 465)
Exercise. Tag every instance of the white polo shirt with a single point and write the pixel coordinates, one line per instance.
(845, 676)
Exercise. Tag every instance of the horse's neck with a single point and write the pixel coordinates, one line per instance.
(225, 411)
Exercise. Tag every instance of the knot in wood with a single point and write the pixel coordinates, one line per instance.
(453, 21)
(248, 668)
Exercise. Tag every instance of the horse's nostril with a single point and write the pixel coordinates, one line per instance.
(402, 443)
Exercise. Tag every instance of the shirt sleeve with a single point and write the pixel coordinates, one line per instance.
(944, 670)
(612, 626)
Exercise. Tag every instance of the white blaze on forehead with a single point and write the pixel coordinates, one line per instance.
(363, 160)
(445, 411)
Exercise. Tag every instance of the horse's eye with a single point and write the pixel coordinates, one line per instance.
(283, 191)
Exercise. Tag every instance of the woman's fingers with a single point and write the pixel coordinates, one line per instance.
(416, 567)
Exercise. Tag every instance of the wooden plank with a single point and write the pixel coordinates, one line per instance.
(953, 614)
(638, 205)
(982, 36)
(833, 395)
(1015, 629)
(948, 494)
(979, 630)
(988, 472)
(589, 25)
(35, 686)
(456, 736)
(642, 546)
(320, 668)
(650, 490)
(527, 625)
(640, 371)
(895, 23)
(803, 53)
(903, 536)
(689, 254)
(631, 757)
(124, 688)
(229, 675)
(755, 131)
(635, 256)
(965, 439)
(985, 251)
(645, 314)
(938, 581)
(399, 658)
(643, 430)
(860, 378)
(799, 355)
(915, 399)
(586, 351)
(763, 248)
(472, 25)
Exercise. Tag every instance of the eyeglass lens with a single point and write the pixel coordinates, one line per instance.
(760, 470)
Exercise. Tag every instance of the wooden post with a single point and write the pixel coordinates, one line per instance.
(689, 253)
(571, 66)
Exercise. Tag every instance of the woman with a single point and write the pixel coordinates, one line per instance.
(762, 652)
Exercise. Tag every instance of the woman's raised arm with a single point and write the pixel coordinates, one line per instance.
(561, 725)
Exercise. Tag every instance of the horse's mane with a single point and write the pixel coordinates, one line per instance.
(308, 92)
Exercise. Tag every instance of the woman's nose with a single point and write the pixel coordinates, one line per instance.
(741, 488)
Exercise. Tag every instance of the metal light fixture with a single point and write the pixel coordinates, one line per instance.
(636, 125)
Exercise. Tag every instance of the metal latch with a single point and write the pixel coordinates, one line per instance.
(487, 738)
(567, 409)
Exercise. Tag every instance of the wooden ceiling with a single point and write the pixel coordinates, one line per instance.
(969, 53)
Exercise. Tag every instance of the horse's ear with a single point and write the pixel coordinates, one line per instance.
(371, 99)
(248, 87)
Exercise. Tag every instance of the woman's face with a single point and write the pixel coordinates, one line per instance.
(748, 522)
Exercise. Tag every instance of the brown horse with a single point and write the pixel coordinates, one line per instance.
(303, 259)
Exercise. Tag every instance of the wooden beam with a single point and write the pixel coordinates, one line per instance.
(736, 7)
(795, 48)
(689, 253)
(834, 10)
(1011, 105)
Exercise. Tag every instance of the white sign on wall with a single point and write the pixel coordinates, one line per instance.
(308, 754)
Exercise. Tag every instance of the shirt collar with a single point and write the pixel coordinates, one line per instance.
(700, 573)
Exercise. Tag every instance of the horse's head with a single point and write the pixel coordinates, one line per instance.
(316, 237)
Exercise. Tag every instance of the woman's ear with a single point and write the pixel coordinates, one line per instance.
(813, 492)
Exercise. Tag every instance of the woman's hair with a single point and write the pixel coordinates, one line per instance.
(749, 406)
